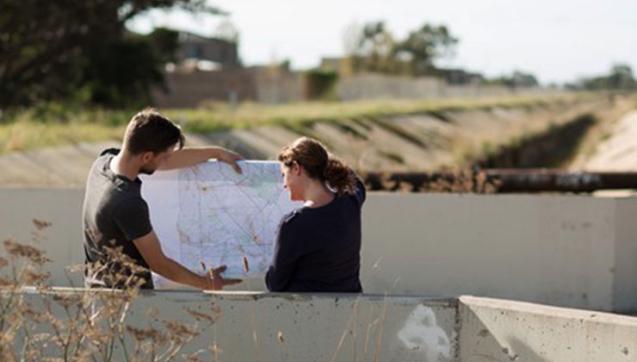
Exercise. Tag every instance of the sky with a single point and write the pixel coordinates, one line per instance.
(557, 40)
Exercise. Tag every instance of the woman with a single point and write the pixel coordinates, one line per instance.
(318, 245)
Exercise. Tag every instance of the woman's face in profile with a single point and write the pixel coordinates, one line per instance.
(292, 181)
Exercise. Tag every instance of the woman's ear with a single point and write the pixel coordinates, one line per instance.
(296, 168)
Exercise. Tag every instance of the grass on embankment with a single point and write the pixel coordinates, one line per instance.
(36, 128)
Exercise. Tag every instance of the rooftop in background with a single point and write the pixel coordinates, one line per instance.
(193, 47)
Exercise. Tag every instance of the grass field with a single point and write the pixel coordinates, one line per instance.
(56, 125)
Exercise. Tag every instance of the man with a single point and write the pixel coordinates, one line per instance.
(119, 242)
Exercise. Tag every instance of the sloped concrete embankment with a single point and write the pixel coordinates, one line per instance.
(419, 142)
(599, 136)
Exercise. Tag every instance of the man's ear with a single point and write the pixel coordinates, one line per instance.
(147, 156)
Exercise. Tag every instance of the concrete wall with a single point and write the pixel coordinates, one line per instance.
(293, 327)
(500, 330)
(275, 327)
(264, 85)
(625, 268)
(62, 241)
(374, 86)
(192, 89)
(278, 86)
(576, 251)
(551, 249)
(379, 86)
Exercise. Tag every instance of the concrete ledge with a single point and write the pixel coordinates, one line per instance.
(500, 330)
(256, 326)
(291, 327)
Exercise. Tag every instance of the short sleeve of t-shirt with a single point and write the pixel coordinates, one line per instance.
(132, 217)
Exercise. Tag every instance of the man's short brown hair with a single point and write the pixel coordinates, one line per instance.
(150, 131)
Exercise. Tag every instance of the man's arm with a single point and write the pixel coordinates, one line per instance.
(191, 156)
(148, 245)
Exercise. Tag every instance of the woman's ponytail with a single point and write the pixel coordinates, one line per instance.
(319, 164)
(339, 177)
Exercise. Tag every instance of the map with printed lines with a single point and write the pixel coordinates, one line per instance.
(210, 215)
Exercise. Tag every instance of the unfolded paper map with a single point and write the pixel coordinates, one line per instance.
(210, 214)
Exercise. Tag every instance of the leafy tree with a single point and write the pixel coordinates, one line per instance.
(517, 79)
(373, 48)
(620, 77)
(425, 45)
(53, 50)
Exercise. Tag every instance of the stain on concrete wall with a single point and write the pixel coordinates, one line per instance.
(422, 333)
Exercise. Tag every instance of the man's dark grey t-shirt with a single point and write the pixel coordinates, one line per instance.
(114, 214)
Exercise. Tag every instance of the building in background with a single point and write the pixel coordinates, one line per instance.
(221, 53)
(209, 69)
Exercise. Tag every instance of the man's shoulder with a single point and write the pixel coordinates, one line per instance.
(124, 202)
(109, 151)
(102, 158)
